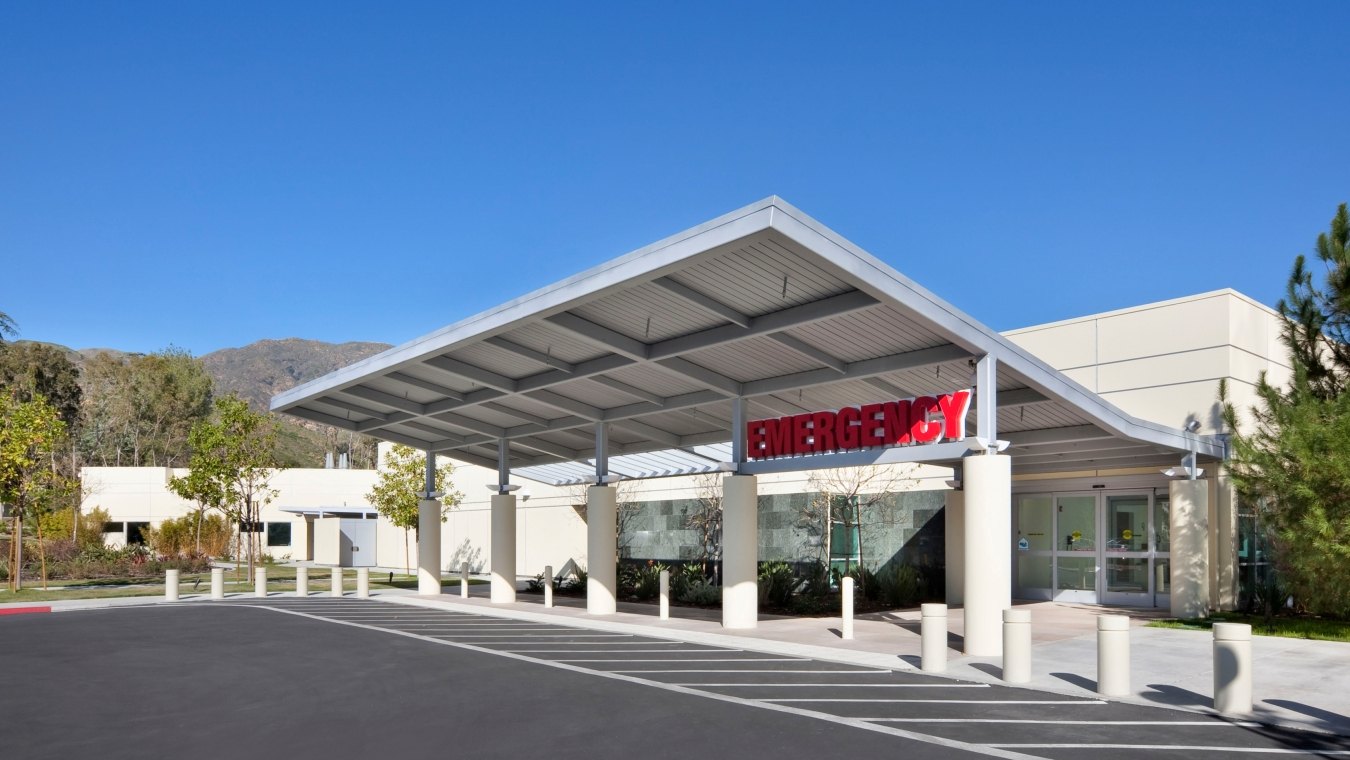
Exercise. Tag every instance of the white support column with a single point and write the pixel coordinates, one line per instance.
(955, 549)
(740, 551)
(988, 551)
(503, 548)
(1225, 557)
(428, 547)
(1189, 518)
(602, 548)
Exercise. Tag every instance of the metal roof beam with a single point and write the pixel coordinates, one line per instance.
(468, 423)
(471, 372)
(1020, 397)
(350, 407)
(388, 399)
(858, 370)
(633, 391)
(425, 385)
(569, 405)
(809, 351)
(686, 368)
(611, 339)
(549, 448)
(705, 302)
(654, 433)
(1058, 435)
(806, 313)
(516, 413)
(530, 353)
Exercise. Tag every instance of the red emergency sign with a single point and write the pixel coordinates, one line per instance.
(925, 419)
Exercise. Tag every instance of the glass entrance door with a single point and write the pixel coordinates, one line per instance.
(1077, 553)
(1100, 547)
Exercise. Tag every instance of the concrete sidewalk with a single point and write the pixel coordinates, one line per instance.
(1296, 682)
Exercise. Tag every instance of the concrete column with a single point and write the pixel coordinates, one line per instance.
(988, 551)
(171, 585)
(665, 594)
(217, 583)
(846, 614)
(464, 580)
(955, 549)
(1017, 645)
(302, 581)
(1189, 520)
(1113, 655)
(503, 548)
(363, 582)
(428, 547)
(740, 551)
(1232, 667)
(602, 549)
(933, 637)
(548, 585)
(336, 580)
(260, 581)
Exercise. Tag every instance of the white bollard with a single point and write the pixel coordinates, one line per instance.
(464, 580)
(171, 585)
(846, 614)
(217, 583)
(1232, 667)
(1113, 655)
(665, 594)
(337, 581)
(302, 581)
(933, 633)
(1017, 645)
(260, 581)
(548, 585)
(363, 582)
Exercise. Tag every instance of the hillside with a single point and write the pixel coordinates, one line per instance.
(262, 369)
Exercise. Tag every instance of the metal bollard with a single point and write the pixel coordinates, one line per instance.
(217, 583)
(1017, 645)
(363, 582)
(665, 594)
(302, 581)
(1232, 667)
(336, 579)
(933, 632)
(171, 585)
(260, 581)
(548, 585)
(1113, 655)
(846, 614)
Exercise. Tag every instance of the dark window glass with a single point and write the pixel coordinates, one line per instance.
(278, 534)
(134, 532)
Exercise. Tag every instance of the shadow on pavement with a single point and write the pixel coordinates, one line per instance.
(1329, 720)
(1175, 695)
(1077, 680)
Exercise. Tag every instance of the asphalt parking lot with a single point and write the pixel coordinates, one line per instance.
(347, 678)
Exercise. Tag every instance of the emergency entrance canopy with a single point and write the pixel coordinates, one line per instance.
(756, 317)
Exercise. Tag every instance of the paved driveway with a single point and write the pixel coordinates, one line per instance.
(346, 678)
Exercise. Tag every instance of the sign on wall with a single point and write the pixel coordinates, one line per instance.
(915, 421)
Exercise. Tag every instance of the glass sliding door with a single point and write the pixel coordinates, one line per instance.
(1035, 547)
(1126, 550)
(1076, 550)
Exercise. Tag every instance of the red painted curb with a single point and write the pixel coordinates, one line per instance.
(22, 610)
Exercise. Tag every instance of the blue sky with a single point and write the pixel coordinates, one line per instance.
(208, 174)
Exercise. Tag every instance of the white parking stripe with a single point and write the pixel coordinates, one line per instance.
(741, 670)
(701, 659)
(863, 685)
(957, 701)
(1182, 748)
(620, 676)
(1211, 723)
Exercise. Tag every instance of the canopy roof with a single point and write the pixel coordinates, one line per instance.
(763, 303)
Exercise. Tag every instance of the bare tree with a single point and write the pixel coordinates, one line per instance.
(706, 518)
(856, 499)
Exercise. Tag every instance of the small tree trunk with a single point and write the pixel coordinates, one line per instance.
(18, 552)
(198, 545)
(42, 554)
(407, 559)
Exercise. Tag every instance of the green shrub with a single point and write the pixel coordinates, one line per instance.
(683, 578)
(900, 586)
(776, 584)
(701, 593)
(816, 581)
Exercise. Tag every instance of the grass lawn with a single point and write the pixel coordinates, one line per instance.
(279, 578)
(1287, 627)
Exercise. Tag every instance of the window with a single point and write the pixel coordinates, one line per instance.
(134, 532)
(279, 534)
(113, 527)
